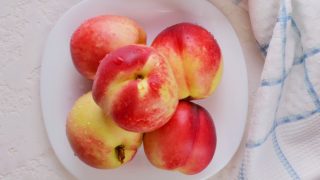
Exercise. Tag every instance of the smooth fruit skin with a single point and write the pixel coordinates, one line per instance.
(186, 143)
(96, 139)
(100, 35)
(135, 86)
(195, 57)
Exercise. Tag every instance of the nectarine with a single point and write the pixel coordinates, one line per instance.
(100, 35)
(186, 143)
(195, 58)
(135, 86)
(96, 139)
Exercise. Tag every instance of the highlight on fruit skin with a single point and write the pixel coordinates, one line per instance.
(194, 56)
(135, 86)
(187, 143)
(100, 35)
(96, 139)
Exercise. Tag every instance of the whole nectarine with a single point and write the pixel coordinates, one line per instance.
(135, 86)
(186, 143)
(100, 35)
(195, 58)
(96, 139)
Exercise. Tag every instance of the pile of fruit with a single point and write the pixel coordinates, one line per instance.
(142, 94)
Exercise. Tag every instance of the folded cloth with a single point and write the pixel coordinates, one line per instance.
(284, 132)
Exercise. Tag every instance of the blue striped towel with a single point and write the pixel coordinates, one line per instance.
(284, 132)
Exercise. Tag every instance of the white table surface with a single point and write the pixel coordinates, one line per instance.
(25, 152)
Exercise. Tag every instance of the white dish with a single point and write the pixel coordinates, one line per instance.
(61, 84)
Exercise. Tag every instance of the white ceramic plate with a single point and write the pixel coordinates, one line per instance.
(61, 84)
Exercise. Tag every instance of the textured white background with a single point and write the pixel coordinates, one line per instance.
(25, 152)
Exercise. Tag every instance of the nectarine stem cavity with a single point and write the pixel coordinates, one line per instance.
(120, 153)
(138, 76)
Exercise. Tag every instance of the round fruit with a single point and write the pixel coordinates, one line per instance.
(99, 36)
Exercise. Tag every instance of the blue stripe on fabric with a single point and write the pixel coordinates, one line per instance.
(295, 26)
(284, 161)
(258, 143)
(310, 87)
(283, 25)
(297, 117)
(297, 61)
(293, 23)
(273, 82)
(282, 121)
(306, 55)
(241, 172)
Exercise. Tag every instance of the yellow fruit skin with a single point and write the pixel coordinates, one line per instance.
(95, 137)
(195, 58)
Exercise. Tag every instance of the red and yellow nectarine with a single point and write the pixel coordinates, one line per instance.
(96, 139)
(195, 58)
(186, 143)
(135, 86)
(100, 35)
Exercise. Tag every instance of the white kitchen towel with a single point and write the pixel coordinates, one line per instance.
(284, 132)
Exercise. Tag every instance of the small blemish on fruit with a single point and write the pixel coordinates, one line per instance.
(120, 153)
(139, 76)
